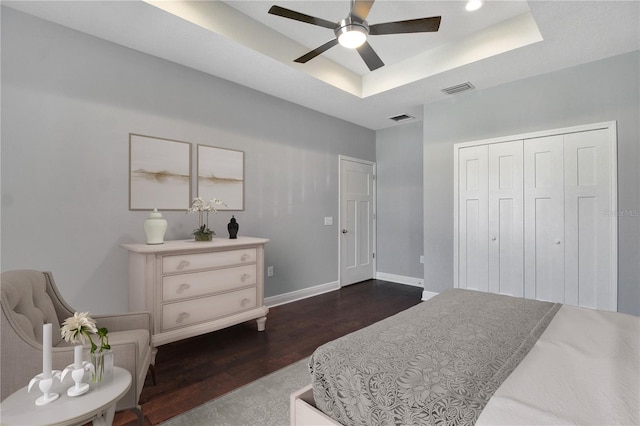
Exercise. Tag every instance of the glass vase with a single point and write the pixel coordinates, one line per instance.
(103, 367)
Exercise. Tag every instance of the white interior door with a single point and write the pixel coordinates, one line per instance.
(544, 218)
(356, 221)
(506, 227)
(587, 230)
(473, 218)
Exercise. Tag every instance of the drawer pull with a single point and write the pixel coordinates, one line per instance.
(244, 257)
(183, 287)
(183, 264)
(245, 277)
(181, 317)
(244, 302)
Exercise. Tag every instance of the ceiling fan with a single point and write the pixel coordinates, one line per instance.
(353, 30)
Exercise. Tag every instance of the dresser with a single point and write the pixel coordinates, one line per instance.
(193, 288)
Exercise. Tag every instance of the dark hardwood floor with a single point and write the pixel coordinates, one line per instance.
(196, 370)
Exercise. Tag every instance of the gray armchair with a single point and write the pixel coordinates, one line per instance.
(30, 299)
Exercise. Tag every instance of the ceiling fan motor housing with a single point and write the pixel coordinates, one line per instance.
(350, 25)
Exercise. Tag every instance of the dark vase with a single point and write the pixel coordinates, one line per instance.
(233, 227)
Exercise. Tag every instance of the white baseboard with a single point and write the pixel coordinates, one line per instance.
(281, 299)
(400, 279)
(426, 295)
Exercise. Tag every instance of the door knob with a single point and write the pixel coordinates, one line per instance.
(344, 231)
(557, 241)
(493, 238)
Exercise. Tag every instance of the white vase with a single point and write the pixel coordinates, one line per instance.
(155, 227)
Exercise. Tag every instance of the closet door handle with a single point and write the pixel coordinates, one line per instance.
(493, 238)
(557, 241)
(344, 231)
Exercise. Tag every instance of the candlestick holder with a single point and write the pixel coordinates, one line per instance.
(45, 383)
(77, 374)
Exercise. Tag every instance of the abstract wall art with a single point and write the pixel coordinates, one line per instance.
(159, 173)
(221, 176)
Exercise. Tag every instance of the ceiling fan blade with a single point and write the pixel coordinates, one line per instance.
(361, 8)
(317, 51)
(421, 25)
(297, 16)
(370, 57)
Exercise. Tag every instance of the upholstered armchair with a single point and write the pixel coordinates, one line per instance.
(30, 299)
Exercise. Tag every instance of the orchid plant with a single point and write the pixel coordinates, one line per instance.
(198, 205)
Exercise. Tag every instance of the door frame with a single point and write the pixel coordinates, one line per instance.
(612, 128)
(374, 213)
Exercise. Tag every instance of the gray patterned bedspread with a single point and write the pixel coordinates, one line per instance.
(437, 363)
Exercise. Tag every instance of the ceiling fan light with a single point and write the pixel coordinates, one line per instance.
(474, 5)
(352, 36)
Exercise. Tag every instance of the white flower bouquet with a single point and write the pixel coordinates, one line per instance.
(78, 330)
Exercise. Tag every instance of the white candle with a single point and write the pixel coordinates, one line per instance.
(46, 350)
(77, 357)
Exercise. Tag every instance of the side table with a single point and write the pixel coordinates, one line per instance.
(97, 405)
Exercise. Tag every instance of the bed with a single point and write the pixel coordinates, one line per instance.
(466, 357)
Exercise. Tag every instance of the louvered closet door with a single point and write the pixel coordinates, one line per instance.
(473, 218)
(506, 228)
(587, 227)
(544, 218)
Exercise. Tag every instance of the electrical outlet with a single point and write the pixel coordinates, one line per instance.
(270, 271)
(421, 259)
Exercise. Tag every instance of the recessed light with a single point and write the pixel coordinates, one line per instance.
(473, 5)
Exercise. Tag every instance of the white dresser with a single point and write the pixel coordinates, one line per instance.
(193, 288)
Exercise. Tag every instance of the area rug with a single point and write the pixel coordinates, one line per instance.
(264, 402)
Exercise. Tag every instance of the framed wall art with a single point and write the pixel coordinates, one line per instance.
(221, 176)
(159, 173)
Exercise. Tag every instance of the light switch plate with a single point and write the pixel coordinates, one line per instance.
(328, 220)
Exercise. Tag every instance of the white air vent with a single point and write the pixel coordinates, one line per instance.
(402, 117)
(458, 88)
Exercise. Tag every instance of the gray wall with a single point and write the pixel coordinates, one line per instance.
(399, 206)
(605, 90)
(69, 102)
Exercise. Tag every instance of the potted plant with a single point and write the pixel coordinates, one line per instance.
(203, 233)
(198, 205)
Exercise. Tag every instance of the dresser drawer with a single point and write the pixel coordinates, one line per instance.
(194, 311)
(196, 261)
(182, 286)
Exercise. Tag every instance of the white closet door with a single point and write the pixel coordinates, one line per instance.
(506, 228)
(587, 227)
(544, 218)
(473, 218)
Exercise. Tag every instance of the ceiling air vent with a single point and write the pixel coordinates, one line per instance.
(458, 88)
(402, 117)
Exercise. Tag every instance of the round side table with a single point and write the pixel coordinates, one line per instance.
(97, 405)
